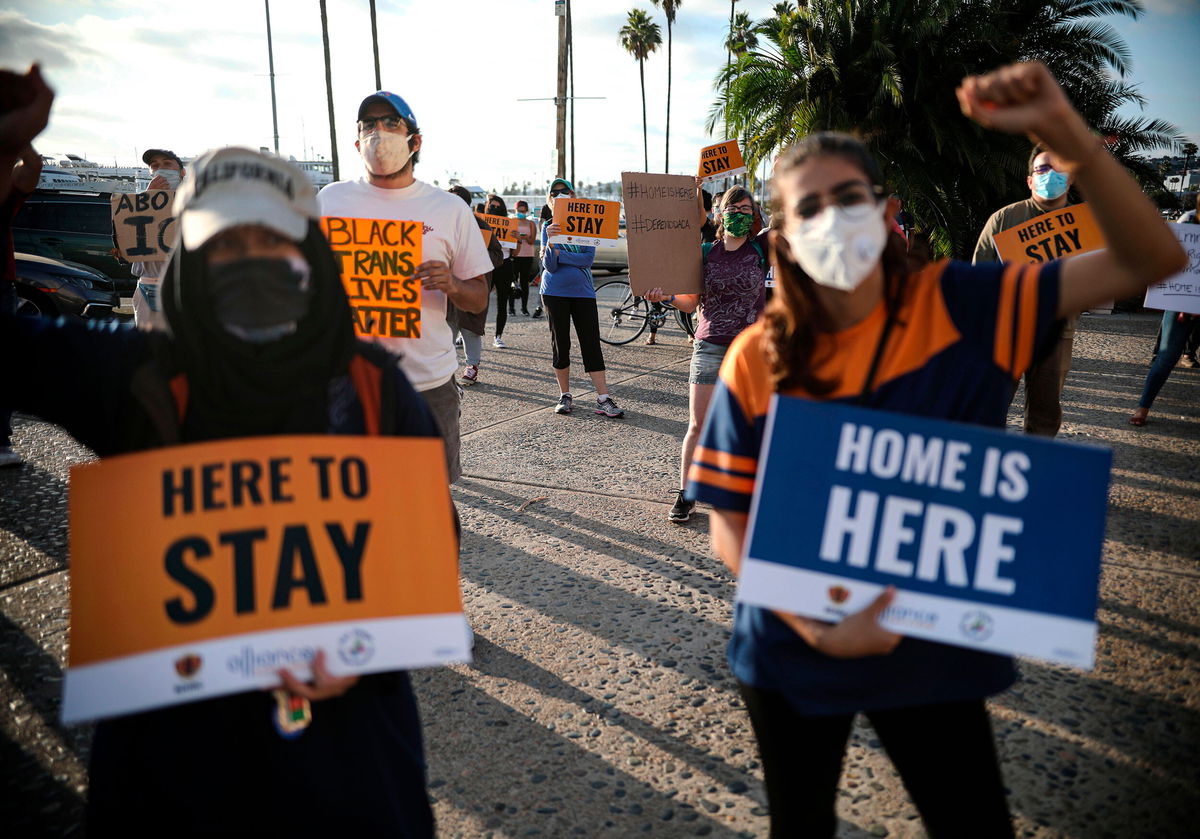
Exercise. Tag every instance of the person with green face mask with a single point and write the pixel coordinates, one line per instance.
(735, 273)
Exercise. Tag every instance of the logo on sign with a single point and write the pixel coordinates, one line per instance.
(251, 662)
(839, 594)
(187, 666)
(356, 647)
(977, 625)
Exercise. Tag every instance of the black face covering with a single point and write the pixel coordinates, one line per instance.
(494, 210)
(254, 294)
(239, 388)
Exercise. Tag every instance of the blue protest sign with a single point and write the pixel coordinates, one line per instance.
(993, 540)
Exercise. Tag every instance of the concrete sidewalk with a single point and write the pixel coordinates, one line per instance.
(599, 702)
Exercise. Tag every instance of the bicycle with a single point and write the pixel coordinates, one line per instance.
(624, 316)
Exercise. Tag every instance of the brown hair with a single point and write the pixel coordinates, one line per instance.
(795, 318)
(732, 196)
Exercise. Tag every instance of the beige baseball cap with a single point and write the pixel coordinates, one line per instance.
(233, 186)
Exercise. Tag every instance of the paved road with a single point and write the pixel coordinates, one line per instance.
(599, 702)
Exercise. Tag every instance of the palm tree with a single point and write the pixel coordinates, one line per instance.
(329, 92)
(1189, 151)
(669, 8)
(743, 35)
(887, 71)
(641, 36)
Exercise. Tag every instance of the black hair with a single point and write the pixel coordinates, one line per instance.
(461, 192)
(503, 206)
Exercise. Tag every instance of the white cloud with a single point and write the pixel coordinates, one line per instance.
(135, 73)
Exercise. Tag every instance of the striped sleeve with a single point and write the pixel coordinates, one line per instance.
(725, 460)
(1008, 310)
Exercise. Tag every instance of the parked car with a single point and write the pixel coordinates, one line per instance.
(51, 287)
(72, 226)
(614, 260)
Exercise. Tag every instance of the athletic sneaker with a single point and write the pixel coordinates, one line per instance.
(470, 375)
(681, 510)
(565, 404)
(609, 408)
(498, 343)
(1189, 360)
(9, 458)
(537, 313)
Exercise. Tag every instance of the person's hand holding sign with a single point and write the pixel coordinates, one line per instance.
(324, 685)
(435, 275)
(469, 295)
(857, 636)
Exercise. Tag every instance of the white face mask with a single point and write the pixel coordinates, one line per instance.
(171, 176)
(384, 153)
(839, 247)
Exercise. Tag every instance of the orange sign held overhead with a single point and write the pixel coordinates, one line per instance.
(1053, 235)
(143, 225)
(721, 160)
(504, 227)
(378, 259)
(585, 221)
(219, 563)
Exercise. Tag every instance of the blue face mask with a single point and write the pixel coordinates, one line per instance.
(520, 214)
(1050, 185)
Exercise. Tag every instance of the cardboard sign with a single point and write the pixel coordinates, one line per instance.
(1053, 235)
(144, 227)
(1180, 293)
(585, 221)
(722, 160)
(993, 540)
(662, 225)
(378, 258)
(504, 227)
(217, 564)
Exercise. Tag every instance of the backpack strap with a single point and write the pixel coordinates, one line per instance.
(705, 247)
(368, 382)
(762, 257)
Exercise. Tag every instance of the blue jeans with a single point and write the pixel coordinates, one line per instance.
(1172, 340)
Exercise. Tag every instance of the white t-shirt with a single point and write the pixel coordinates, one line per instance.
(450, 235)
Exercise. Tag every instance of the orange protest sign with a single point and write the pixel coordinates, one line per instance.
(721, 160)
(585, 221)
(143, 225)
(504, 227)
(1053, 235)
(217, 557)
(378, 258)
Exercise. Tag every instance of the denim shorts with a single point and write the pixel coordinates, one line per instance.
(706, 362)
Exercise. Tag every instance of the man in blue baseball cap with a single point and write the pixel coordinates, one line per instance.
(455, 258)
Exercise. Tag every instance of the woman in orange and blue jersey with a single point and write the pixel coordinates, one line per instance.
(850, 323)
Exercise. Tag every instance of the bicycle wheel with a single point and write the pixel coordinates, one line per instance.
(622, 315)
(687, 322)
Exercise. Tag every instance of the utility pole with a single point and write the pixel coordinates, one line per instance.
(375, 43)
(329, 93)
(571, 72)
(560, 100)
(271, 65)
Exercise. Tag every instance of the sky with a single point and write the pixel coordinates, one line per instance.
(132, 74)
